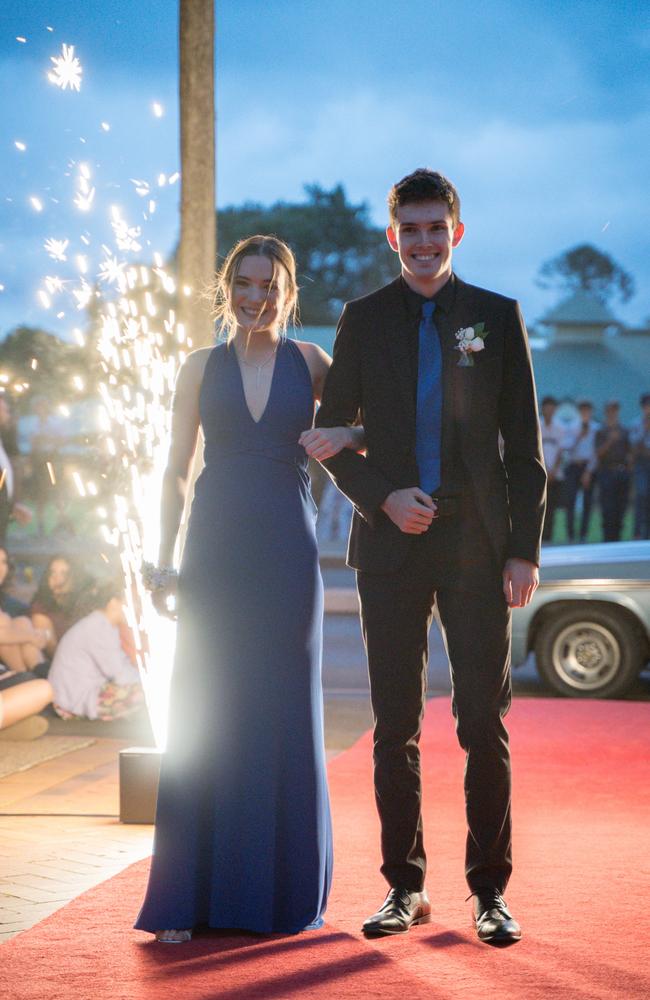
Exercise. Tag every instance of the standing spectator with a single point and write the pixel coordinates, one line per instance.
(9, 507)
(613, 451)
(579, 473)
(552, 441)
(640, 439)
(45, 447)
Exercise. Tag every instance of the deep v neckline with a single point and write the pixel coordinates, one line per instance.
(243, 389)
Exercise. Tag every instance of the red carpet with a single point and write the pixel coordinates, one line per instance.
(580, 890)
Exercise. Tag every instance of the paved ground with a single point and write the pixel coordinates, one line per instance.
(59, 826)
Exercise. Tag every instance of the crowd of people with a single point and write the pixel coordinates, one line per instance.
(590, 458)
(69, 647)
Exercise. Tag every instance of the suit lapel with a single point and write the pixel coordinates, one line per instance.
(458, 383)
(395, 320)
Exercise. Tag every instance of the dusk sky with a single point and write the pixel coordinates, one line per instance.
(538, 112)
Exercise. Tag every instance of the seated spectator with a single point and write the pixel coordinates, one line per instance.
(91, 675)
(21, 643)
(8, 603)
(53, 606)
(22, 696)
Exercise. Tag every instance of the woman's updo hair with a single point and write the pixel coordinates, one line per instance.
(280, 255)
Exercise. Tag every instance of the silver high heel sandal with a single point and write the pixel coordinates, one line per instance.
(173, 936)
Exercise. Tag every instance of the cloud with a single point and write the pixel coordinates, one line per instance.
(529, 191)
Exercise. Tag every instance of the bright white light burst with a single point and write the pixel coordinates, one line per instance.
(126, 237)
(67, 70)
(53, 284)
(57, 249)
(111, 270)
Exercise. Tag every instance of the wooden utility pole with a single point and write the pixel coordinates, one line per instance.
(197, 249)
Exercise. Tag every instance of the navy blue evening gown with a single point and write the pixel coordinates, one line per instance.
(243, 833)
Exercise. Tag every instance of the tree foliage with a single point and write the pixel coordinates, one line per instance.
(586, 268)
(340, 254)
(45, 365)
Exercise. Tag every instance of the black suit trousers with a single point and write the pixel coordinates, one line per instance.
(396, 612)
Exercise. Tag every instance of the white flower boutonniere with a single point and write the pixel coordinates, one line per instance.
(470, 340)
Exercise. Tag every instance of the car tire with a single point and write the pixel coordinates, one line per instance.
(588, 652)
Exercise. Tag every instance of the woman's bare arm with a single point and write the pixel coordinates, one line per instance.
(184, 434)
(324, 442)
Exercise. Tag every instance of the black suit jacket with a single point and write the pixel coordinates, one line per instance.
(489, 414)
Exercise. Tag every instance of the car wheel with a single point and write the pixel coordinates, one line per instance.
(588, 652)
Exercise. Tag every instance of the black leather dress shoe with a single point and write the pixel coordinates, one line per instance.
(400, 910)
(495, 923)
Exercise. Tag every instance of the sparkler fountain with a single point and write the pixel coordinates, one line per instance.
(140, 345)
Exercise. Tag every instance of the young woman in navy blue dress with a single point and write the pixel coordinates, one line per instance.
(243, 833)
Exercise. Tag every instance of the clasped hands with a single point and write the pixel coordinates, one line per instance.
(413, 510)
(325, 442)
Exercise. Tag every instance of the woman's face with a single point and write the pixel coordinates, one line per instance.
(258, 296)
(4, 566)
(59, 577)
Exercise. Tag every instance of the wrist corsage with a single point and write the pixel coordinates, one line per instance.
(157, 578)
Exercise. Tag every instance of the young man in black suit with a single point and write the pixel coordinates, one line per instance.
(448, 511)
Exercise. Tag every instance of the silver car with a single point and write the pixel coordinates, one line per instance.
(589, 621)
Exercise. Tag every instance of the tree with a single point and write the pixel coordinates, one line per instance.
(340, 254)
(198, 219)
(585, 268)
(36, 363)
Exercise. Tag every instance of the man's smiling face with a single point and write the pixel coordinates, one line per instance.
(423, 235)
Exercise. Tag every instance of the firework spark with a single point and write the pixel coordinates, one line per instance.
(82, 294)
(112, 270)
(86, 192)
(84, 201)
(126, 237)
(141, 187)
(56, 249)
(67, 70)
(53, 284)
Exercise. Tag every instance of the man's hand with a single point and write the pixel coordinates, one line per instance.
(325, 442)
(411, 510)
(585, 480)
(520, 580)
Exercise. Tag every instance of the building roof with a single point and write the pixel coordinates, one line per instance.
(580, 308)
(617, 367)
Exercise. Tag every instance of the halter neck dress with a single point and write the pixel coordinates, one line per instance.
(243, 833)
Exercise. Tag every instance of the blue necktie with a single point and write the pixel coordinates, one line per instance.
(429, 402)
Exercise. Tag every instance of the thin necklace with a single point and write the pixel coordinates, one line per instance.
(258, 368)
